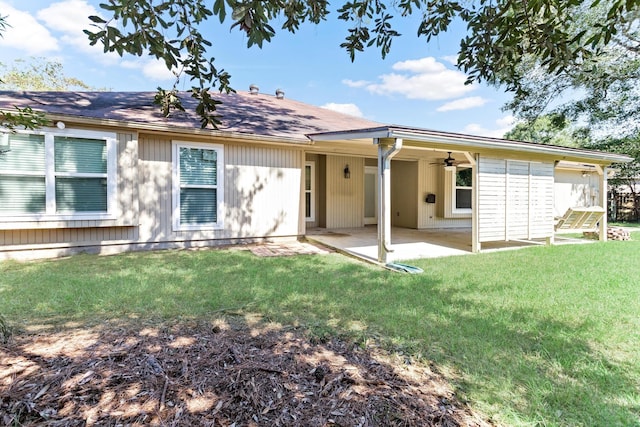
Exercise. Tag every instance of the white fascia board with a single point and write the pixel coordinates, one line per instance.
(372, 133)
(468, 141)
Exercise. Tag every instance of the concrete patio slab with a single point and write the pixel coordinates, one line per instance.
(406, 243)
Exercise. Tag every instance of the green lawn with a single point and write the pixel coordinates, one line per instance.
(625, 224)
(545, 336)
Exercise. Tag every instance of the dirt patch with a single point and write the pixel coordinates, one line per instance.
(215, 374)
(288, 249)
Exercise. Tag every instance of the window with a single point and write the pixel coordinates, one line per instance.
(81, 174)
(57, 175)
(197, 186)
(464, 182)
(458, 194)
(309, 191)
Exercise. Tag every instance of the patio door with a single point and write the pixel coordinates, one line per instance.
(370, 194)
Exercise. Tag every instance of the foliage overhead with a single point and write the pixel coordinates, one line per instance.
(501, 34)
(601, 92)
(599, 97)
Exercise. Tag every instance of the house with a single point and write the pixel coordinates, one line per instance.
(113, 174)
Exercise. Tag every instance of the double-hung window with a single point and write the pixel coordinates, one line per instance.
(464, 185)
(80, 174)
(458, 192)
(54, 174)
(198, 186)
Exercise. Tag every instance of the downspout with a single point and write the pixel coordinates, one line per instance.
(386, 151)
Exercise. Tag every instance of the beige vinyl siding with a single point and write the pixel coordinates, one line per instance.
(261, 194)
(154, 173)
(575, 188)
(431, 181)
(344, 197)
(263, 191)
(515, 199)
(262, 198)
(71, 236)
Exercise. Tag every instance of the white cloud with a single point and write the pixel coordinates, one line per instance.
(71, 17)
(503, 125)
(351, 109)
(507, 121)
(424, 78)
(25, 33)
(355, 83)
(151, 68)
(451, 59)
(463, 104)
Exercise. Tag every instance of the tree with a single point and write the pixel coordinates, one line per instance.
(599, 97)
(19, 117)
(502, 34)
(600, 94)
(38, 74)
(553, 129)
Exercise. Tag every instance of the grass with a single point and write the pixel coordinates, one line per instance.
(545, 336)
(625, 224)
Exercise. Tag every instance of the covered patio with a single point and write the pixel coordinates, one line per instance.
(506, 198)
(407, 243)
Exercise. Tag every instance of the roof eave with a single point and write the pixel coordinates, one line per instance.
(160, 128)
(469, 141)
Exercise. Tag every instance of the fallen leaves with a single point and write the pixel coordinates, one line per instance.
(239, 375)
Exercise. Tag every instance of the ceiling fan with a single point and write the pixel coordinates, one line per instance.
(449, 162)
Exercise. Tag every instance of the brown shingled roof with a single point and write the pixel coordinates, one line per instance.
(255, 114)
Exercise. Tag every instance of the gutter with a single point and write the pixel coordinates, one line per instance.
(468, 141)
(385, 154)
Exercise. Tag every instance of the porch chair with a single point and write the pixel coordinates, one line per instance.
(580, 220)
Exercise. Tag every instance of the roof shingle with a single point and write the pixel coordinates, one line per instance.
(241, 112)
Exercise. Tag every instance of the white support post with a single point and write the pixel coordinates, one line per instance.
(475, 219)
(386, 150)
(603, 197)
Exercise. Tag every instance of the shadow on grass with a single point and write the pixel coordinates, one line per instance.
(518, 370)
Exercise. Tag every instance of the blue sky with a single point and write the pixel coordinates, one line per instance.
(416, 85)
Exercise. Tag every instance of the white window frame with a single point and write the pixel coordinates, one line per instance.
(220, 168)
(50, 174)
(461, 187)
(451, 211)
(311, 191)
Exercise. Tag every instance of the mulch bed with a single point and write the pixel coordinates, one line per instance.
(219, 374)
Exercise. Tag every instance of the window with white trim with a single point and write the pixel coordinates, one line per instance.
(458, 192)
(198, 186)
(54, 174)
(309, 191)
(463, 188)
